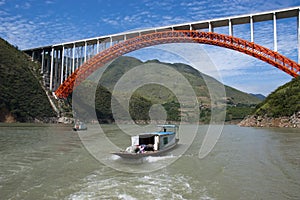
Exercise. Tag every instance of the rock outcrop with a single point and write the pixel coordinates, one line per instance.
(265, 121)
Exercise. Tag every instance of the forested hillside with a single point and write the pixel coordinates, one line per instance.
(22, 98)
(284, 101)
(239, 104)
(280, 109)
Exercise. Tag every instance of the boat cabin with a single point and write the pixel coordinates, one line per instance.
(78, 126)
(156, 140)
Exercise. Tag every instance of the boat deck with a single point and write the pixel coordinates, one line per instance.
(125, 154)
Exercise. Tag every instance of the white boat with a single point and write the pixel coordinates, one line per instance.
(151, 144)
(79, 126)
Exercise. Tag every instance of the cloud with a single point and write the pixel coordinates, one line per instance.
(25, 5)
(26, 32)
(49, 2)
(193, 4)
(113, 22)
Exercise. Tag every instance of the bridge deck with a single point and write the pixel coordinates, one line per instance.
(196, 25)
(59, 61)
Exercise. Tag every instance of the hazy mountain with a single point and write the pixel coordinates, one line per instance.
(259, 96)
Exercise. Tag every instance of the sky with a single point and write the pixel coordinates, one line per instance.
(33, 23)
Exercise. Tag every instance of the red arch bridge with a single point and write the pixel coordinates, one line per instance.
(71, 63)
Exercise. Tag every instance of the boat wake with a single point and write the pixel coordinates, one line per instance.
(143, 160)
(108, 184)
(153, 159)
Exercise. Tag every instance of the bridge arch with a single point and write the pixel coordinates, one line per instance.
(181, 36)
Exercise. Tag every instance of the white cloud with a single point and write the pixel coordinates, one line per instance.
(110, 21)
(49, 2)
(193, 4)
(38, 31)
(25, 5)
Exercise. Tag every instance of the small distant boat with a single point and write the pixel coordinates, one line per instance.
(79, 126)
(151, 144)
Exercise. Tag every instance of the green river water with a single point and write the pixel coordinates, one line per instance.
(51, 162)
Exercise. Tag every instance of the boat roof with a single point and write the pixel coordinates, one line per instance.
(167, 125)
(157, 133)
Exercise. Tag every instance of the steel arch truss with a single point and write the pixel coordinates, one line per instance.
(182, 36)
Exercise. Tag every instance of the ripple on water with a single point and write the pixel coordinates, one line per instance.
(158, 185)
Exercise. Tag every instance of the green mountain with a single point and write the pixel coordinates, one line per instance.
(280, 109)
(197, 79)
(260, 96)
(22, 98)
(239, 104)
(284, 101)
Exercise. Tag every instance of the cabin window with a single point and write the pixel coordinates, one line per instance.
(165, 140)
(146, 140)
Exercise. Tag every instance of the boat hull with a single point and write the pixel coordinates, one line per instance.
(79, 129)
(129, 155)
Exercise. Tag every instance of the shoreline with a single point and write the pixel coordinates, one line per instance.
(265, 121)
(250, 121)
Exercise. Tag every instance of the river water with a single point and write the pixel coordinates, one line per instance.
(51, 162)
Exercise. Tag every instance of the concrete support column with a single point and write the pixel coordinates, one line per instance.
(110, 44)
(251, 29)
(51, 69)
(62, 65)
(73, 59)
(191, 28)
(43, 61)
(210, 27)
(56, 78)
(48, 66)
(85, 50)
(97, 46)
(275, 31)
(67, 63)
(230, 27)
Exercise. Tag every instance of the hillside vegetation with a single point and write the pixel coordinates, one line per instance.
(280, 109)
(239, 104)
(22, 98)
(284, 101)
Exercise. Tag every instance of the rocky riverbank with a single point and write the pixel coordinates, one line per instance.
(264, 121)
